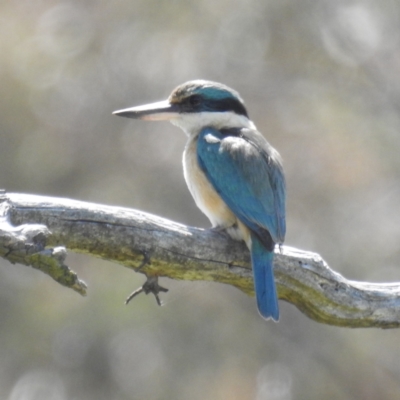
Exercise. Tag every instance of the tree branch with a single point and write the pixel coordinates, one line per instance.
(35, 230)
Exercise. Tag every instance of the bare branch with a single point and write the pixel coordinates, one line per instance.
(159, 247)
(25, 244)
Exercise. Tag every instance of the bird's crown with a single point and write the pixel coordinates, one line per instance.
(201, 95)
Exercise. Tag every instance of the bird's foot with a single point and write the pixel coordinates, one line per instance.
(221, 230)
(218, 229)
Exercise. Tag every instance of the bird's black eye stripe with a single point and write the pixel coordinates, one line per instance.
(228, 104)
(191, 103)
(196, 103)
(194, 100)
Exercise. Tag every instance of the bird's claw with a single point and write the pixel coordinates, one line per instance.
(221, 230)
(217, 229)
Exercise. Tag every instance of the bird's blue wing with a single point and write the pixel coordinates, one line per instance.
(246, 172)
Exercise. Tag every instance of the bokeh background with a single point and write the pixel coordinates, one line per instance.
(320, 80)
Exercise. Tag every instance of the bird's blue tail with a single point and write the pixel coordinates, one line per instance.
(264, 283)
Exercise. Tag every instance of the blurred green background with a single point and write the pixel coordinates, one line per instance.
(320, 79)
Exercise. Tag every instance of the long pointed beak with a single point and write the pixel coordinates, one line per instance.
(160, 111)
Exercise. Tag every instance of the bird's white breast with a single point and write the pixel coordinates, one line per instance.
(206, 198)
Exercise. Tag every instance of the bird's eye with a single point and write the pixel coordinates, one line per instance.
(195, 100)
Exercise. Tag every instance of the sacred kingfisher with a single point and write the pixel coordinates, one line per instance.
(234, 175)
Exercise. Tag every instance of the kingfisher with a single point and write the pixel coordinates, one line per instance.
(234, 175)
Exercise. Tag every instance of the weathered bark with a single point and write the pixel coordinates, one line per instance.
(35, 230)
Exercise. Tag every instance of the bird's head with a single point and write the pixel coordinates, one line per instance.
(195, 105)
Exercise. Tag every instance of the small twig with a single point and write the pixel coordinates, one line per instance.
(150, 286)
(145, 261)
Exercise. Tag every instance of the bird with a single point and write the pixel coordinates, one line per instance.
(234, 175)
